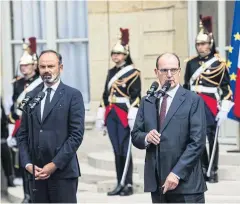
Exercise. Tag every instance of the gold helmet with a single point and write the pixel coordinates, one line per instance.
(29, 54)
(205, 34)
(122, 44)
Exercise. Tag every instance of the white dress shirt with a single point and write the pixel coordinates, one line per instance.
(53, 90)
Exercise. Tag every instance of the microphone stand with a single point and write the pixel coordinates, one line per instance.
(32, 154)
(158, 96)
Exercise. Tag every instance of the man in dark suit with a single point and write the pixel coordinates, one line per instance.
(58, 128)
(181, 134)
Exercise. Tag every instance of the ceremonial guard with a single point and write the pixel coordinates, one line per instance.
(121, 98)
(29, 80)
(207, 75)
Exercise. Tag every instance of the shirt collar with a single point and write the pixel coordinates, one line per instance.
(54, 86)
(173, 91)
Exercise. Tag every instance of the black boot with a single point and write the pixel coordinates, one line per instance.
(128, 189)
(214, 174)
(27, 199)
(119, 170)
(213, 177)
(10, 181)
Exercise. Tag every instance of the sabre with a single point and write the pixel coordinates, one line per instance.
(213, 151)
(126, 163)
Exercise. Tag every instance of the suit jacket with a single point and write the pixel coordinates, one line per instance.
(58, 135)
(183, 137)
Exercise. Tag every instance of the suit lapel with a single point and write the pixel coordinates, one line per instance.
(176, 103)
(56, 97)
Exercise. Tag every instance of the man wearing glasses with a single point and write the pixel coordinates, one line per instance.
(181, 134)
(207, 75)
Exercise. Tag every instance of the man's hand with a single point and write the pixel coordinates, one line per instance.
(46, 171)
(171, 182)
(153, 137)
(29, 168)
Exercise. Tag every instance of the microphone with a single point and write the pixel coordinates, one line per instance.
(164, 89)
(24, 102)
(37, 100)
(153, 88)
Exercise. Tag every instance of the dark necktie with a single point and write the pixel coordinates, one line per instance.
(47, 102)
(163, 109)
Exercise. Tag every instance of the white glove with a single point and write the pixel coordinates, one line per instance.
(11, 141)
(10, 129)
(221, 116)
(100, 119)
(99, 124)
(226, 106)
(132, 113)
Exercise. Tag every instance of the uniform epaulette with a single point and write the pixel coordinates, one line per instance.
(16, 79)
(219, 58)
(190, 58)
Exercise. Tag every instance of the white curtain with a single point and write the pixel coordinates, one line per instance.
(28, 21)
(72, 23)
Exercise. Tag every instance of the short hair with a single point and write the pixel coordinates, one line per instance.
(165, 54)
(59, 56)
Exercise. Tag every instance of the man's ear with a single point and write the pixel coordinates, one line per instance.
(156, 72)
(61, 67)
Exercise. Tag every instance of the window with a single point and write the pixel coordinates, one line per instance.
(27, 20)
(59, 25)
(222, 13)
(72, 43)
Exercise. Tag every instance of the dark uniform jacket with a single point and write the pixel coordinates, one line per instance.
(213, 84)
(19, 85)
(127, 86)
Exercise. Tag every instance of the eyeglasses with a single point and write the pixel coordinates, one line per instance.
(172, 70)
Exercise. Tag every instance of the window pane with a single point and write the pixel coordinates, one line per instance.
(28, 19)
(210, 8)
(75, 67)
(229, 20)
(71, 19)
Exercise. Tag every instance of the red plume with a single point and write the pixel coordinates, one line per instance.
(207, 23)
(125, 36)
(33, 45)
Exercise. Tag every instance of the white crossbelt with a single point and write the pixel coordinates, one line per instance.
(121, 100)
(204, 89)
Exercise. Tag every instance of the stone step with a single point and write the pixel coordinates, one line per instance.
(89, 122)
(222, 188)
(105, 160)
(91, 175)
(93, 197)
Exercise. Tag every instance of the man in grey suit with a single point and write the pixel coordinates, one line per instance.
(181, 134)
